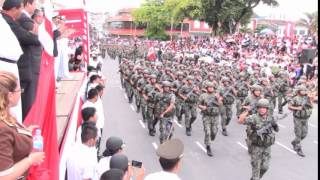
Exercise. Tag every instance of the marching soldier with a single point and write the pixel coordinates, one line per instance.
(267, 93)
(166, 100)
(190, 94)
(242, 92)
(209, 104)
(149, 95)
(250, 105)
(228, 94)
(284, 84)
(262, 137)
(301, 105)
(140, 88)
(177, 84)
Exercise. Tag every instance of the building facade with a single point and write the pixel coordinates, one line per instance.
(122, 24)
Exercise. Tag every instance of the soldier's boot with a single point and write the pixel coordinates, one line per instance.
(188, 131)
(262, 172)
(295, 148)
(213, 137)
(138, 109)
(228, 121)
(151, 132)
(179, 119)
(300, 153)
(209, 152)
(224, 132)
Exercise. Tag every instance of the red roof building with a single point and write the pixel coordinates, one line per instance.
(123, 24)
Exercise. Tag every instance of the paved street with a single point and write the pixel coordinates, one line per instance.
(231, 160)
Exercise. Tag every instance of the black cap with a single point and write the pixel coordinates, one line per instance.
(113, 144)
(112, 174)
(9, 4)
(119, 161)
(171, 150)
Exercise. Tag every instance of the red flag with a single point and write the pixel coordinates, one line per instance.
(43, 111)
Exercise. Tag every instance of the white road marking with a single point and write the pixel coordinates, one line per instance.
(201, 146)
(243, 146)
(311, 125)
(285, 147)
(179, 125)
(316, 142)
(282, 126)
(125, 96)
(132, 107)
(155, 145)
(142, 124)
(120, 87)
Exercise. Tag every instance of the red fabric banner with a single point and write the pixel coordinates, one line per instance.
(43, 113)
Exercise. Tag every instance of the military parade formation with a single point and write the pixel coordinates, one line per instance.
(183, 88)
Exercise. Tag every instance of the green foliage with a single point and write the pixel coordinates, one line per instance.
(224, 15)
(260, 28)
(311, 21)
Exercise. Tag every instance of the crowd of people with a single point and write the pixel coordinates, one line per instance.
(255, 73)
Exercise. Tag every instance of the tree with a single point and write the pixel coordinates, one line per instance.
(311, 21)
(156, 16)
(225, 15)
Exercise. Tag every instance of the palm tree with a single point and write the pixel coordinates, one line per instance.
(311, 21)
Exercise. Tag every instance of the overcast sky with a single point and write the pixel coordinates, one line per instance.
(288, 9)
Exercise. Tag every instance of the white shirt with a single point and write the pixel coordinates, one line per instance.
(103, 166)
(99, 108)
(11, 48)
(81, 162)
(162, 176)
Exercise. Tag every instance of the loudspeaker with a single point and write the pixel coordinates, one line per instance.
(307, 56)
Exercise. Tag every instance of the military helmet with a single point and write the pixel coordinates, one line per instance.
(301, 88)
(190, 78)
(210, 84)
(256, 88)
(263, 103)
(145, 71)
(242, 74)
(153, 76)
(225, 79)
(166, 84)
(180, 73)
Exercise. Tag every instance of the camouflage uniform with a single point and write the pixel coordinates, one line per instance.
(210, 117)
(262, 138)
(177, 84)
(166, 122)
(151, 93)
(251, 101)
(242, 93)
(300, 118)
(226, 108)
(189, 105)
(284, 85)
(141, 83)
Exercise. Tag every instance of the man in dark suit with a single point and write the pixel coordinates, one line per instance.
(12, 11)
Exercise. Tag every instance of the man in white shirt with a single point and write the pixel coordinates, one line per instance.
(82, 160)
(170, 153)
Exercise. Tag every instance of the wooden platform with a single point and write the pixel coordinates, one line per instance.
(65, 99)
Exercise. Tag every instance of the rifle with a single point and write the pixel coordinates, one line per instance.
(268, 128)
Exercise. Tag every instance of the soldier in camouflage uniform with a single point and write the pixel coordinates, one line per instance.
(209, 104)
(127, 81)
(166, 100)
(134, 79)
(250, 105)
(149, 96)
(267, 93)
(141, 83)
(284, 84)
(275, 89)
(263, 137)
(190, 94)
(227, 92)
(177, 84)
(242, 91)
(301, 105)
